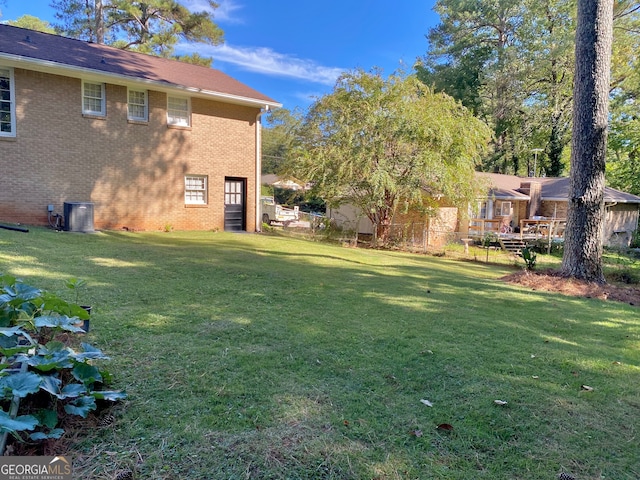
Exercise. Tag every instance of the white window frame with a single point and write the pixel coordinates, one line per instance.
(145, 105)
(505, 206)
(176, 114)
(483, 209)
(11, 102)
(103, 103)
(196, 189)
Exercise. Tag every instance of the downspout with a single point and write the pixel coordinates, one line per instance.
(259, 166)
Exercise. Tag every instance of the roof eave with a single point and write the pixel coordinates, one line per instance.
(56, 68)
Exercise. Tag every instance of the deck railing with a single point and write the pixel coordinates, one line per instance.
(529, 228)
(542, 227)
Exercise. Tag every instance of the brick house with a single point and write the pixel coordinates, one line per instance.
(515, 200)
(145, 141)
(512, 202)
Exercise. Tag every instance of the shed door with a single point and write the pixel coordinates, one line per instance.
(234, 202)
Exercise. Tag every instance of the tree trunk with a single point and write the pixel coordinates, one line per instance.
(583, 239)
(383, 228)
(99, 22)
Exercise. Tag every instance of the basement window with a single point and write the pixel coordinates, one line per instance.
(7, 103)
(93, 99)
(195, 190)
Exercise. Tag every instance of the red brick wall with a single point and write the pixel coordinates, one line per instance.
(132, 172)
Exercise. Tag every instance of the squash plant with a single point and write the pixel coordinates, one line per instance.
(34, 364)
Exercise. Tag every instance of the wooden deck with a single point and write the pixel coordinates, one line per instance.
(530, 231)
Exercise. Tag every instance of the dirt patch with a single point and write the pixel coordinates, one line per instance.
(551, 281)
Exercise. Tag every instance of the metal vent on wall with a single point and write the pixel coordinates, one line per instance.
(78, 217)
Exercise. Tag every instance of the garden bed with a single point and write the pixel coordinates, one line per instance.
(552, 281)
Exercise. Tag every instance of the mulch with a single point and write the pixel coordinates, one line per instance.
(552, 281)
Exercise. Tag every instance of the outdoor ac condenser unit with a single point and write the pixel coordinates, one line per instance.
(78, 217)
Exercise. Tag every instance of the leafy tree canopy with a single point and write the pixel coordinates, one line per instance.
(279, 139)
(623, 162)
(387, 143)
(151, 26)
(511, 63)
(32, 23)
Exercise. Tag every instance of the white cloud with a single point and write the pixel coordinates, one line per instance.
(226, 11)
(265, 60)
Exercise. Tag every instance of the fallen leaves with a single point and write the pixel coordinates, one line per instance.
(445, 427)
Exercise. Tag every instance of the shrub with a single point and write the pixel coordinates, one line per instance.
(530, 258)
(41, 377)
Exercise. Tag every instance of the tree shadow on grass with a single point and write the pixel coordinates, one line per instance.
(298, 360)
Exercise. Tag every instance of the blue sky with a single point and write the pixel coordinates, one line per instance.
(293, 50)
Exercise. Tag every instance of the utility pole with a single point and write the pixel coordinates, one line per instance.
(535, 151)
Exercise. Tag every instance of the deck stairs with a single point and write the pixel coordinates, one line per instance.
(512, 245)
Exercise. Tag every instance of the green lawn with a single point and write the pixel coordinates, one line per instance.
(263, 357)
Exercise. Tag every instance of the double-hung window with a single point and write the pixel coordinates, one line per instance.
(195, 190)
(178, 111)
(7, 103)
(93, 99)
(138, 105)
(504, 209)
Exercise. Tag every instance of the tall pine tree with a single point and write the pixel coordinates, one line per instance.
(583, 237)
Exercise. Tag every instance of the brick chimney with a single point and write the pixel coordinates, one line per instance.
(533, 189)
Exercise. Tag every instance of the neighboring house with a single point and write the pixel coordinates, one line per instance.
(513, 200)
(411, 227)
(511, 203)
(148, 143)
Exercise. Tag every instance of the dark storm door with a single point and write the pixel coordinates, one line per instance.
(234, 201)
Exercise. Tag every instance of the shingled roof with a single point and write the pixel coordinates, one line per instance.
(55, 54)
(506, 187)
(557, 189)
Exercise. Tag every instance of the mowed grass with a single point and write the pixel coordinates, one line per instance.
(262, 357)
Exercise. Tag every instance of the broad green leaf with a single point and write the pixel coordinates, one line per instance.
(47, 418)
(7, 279)
(90, 353)
(86, 373)
(73, 390)
(23, 291)
(9, 352)
(12, 344)
(55, 346)
(11, 331)
(46, 363)
(21, 384)
(51, 384)
(62, 322)
(111, 395)
(18, 424)
(78, 311)
(55, 433)
(81, 406)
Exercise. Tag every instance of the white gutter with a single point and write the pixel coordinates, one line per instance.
(55, 68)
(609, 201)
